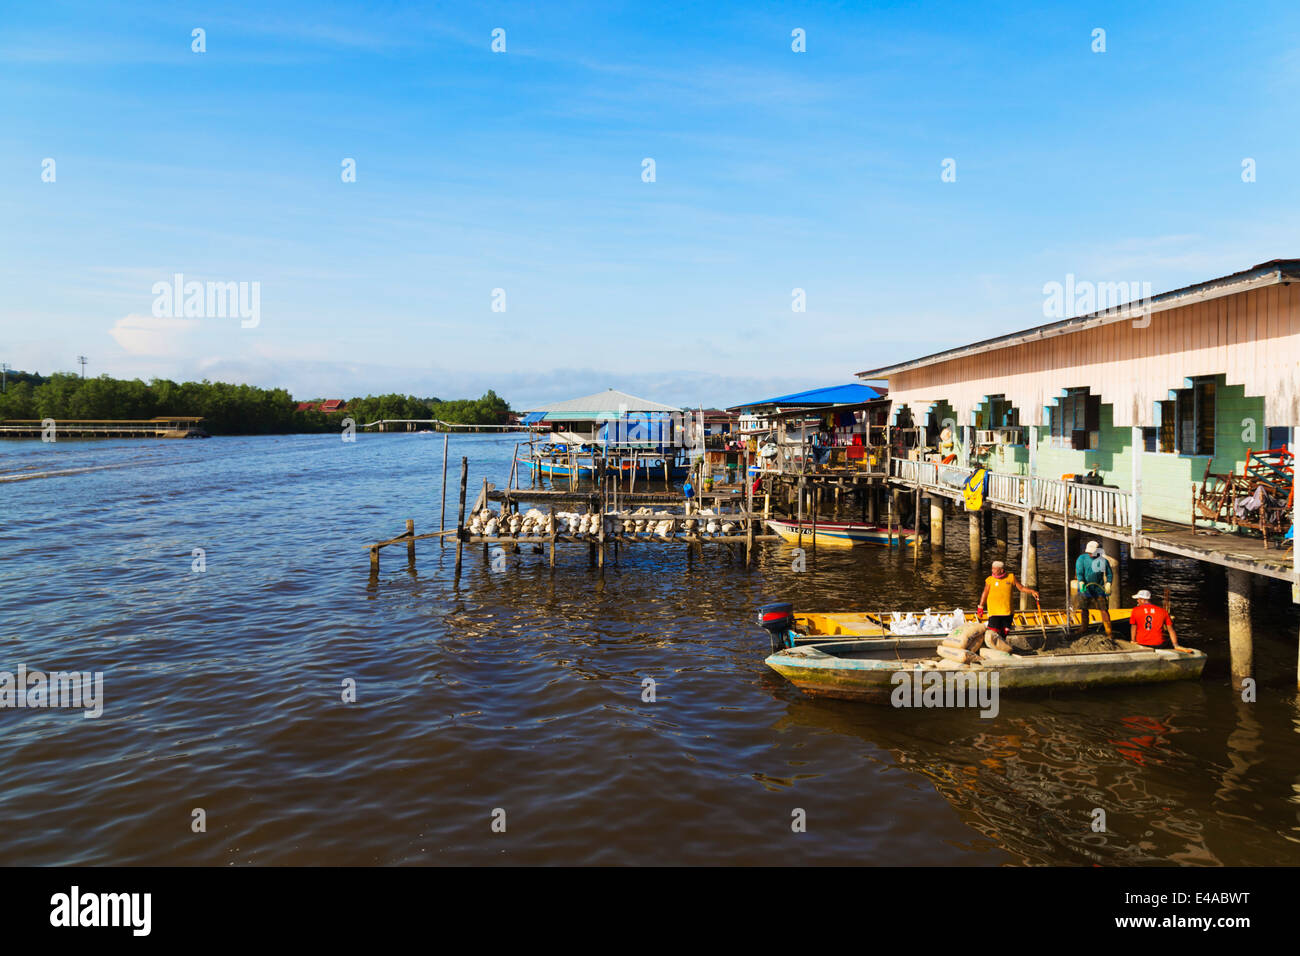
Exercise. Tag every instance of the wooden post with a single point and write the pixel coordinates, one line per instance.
(1110, 548)
(460, 518)
(816, 495)
(1295, 559)
(749, 518)
(504, 512)
(799, 516)
(374, 559)
(1135, 507)
(410, 545)
(1065, 549)
(442, 512)
(936, 521)
(1240, 638)
(890, 508)
(976, 539)
(600, 533)
(552, 535)
(1028, 557)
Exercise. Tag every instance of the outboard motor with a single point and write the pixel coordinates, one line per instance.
(777, 619)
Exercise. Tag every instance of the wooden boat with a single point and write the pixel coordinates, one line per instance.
(837, 533)
(872, 625)
(868, 670)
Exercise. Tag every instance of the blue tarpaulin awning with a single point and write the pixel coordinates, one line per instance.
(850, 394)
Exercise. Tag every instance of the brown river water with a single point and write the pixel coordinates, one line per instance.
(517, 694)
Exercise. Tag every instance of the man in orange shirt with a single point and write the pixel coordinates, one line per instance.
(1148, 621)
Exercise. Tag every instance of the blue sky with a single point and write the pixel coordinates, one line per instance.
(522, 171)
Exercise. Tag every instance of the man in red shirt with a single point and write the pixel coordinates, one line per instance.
(1148, 621)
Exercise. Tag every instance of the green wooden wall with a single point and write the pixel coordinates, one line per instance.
(1167, 480)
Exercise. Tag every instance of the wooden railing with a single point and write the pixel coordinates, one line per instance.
(1087, 503)
(1091, 503)
(916, 472)
(1012, 490)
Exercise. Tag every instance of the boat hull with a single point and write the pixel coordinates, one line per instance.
(868, 674)
(837, 534)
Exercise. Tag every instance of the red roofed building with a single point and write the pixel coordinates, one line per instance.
(329, 406)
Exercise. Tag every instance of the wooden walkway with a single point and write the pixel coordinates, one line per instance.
(1224, 548)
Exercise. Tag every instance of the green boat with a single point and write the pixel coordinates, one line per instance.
(878, 670)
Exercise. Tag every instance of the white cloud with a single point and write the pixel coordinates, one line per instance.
(150, 335)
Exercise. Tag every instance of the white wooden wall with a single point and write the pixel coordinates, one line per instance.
(1251, 337)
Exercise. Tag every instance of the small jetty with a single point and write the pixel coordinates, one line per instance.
(602, 517)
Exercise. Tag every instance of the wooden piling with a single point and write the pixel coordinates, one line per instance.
(604, 485)
(816, 496)
(460, 518)
(551, 528)
(410, 545)
(442, 511)
(749, 520)
(1110, 548)
(1028, 558)
(916, 530)
(1240, 637)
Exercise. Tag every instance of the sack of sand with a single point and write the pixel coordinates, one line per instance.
(968, 636)
(957, 654)
(993, 640)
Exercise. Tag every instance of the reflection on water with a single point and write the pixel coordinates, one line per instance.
(523, 690)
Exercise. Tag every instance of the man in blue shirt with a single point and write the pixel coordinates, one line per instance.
(1093, 573)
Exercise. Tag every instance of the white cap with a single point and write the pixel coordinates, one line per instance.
(1143, 595)
(1092, 546)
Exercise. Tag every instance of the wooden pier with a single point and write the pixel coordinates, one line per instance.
(52, 429)
(612, 519)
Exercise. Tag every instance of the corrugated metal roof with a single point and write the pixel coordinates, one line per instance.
(1273, 271)
(606, 404)
(826, 395)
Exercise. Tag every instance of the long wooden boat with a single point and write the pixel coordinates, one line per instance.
(815, 628)
(837, 533)
(877, 671)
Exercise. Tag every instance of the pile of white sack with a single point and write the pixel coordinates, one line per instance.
(665, 524)
(643, 521)
(489, 524)
(927, 623)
